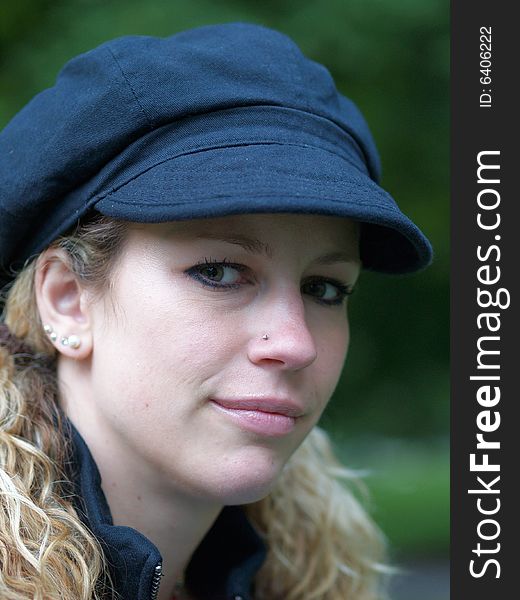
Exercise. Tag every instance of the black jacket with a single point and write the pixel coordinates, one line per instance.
(221, 568)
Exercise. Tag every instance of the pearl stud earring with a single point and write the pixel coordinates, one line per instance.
(72, 341)
(50, 332)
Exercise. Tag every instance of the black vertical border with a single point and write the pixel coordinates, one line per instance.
(476, 129)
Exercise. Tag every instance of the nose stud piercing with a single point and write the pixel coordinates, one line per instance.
(72, 341)
(50, 332)
(265, 336)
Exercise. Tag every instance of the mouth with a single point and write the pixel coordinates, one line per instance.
(264, 416)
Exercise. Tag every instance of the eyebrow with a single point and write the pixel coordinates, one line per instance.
(335, 257)
(256, 246)
(249, 244)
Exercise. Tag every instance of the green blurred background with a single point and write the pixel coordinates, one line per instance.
(390, 413)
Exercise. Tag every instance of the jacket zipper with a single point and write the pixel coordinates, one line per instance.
(156, 582)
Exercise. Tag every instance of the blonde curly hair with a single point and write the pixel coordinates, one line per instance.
(321, 542)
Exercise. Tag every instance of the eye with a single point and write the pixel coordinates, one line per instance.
(218, 274)
(327, 291)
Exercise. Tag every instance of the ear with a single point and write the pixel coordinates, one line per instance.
(62, 303)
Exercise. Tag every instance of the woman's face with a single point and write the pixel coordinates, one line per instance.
(181, 379)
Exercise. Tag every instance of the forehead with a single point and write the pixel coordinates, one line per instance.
(259, 233)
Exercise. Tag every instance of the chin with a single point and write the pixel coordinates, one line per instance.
(248, 481)
(245, 495)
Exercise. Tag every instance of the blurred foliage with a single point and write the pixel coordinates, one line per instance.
(408, 487)
(392, 59)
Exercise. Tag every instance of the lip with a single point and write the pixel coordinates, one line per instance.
(265, 416)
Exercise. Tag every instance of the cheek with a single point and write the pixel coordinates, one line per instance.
(332, 351)
(169, 340)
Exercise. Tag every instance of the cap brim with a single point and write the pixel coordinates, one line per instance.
(273, 178)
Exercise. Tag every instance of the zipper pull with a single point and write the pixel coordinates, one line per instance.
(156, 582)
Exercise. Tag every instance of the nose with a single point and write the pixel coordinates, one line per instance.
(281, 334)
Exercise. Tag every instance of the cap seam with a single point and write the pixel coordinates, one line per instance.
(342, 127)
(238, 145)
(266, 195)
(127, 81)
(308, 112)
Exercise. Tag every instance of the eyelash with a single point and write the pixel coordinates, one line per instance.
(193, 272)
(343, 290)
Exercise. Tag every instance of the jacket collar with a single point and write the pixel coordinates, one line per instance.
(221, 568)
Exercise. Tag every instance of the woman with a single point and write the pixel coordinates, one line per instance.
(182, 222)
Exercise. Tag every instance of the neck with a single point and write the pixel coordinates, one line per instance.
(173, 521)
(173, 524)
